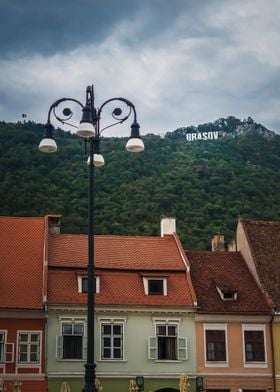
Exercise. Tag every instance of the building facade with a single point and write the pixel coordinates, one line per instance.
(22, 304)
(233, 324)
(144, 316)
(259, 243)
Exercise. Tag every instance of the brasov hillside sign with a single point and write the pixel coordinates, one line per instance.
(202, 136)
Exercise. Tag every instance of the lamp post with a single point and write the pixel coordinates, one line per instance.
(89, 129)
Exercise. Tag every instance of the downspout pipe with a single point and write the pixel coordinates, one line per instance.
(272, 352)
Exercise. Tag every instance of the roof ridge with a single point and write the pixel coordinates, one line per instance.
(112, 236)
(6, 217)
(263, 222)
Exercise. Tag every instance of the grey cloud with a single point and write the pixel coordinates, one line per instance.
(50, 26)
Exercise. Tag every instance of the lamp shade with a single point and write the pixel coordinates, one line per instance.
(86, 128)
(98, 160)
(48, 144)
(135, 143)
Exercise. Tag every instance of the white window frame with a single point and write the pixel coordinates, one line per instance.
(59, 339)
(222, 294)
(112, 321)
(28, 363)
(181, 344)
(146, 280)
(215, 327)
(2, 349)
(80, 284)
(254, 327)
(8, 350)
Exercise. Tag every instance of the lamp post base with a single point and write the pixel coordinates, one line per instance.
(90, 378)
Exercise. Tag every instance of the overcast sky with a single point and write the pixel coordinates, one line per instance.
(181, 62)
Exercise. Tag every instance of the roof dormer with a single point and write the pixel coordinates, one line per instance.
(227, 294)
(83, 283)
(155, 284)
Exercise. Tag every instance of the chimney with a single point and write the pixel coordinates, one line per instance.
(167, 226)
(54, 224)
(218, 242)
(232, 246)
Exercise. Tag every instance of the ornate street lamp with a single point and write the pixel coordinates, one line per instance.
(89, 128)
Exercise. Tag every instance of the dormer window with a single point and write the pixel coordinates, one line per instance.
(83, 284)
(227, 294)
(155, 285)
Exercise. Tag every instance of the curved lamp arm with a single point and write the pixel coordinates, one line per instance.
(67, 112)
(89, 127)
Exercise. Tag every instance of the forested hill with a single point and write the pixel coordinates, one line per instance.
(206, 185)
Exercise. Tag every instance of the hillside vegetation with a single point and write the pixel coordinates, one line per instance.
(206, 185)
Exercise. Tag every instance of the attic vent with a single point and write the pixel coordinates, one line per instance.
(227, 294)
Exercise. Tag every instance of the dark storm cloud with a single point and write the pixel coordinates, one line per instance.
(49, 26)
(181, 62)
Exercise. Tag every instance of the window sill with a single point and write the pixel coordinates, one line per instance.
(111, 360)
(168, 361)
(255, 365)
(216, 364)
(28, 365)
(70, 360)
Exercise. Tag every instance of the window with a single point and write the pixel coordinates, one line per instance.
(253, 390)
(72, 340)
(112, 341)
(166, 345)
(2, 346)
(219, 390)
(72, 343)
(155, 286)
(6, 349)
(254, 348)
(215, 345)
(29, 347)
(227, 294)
(167, 341)
(83, 284)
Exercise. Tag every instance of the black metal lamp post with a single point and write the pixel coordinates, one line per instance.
(89, 129)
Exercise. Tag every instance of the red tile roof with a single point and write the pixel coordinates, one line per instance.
(21, 262)
(226, 270)
(264, 242)
(118, 252)
(124, 288)
(122, 261)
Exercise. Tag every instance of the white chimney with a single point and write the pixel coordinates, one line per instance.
(167, 226)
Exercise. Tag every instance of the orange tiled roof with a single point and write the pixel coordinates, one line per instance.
(124, 288)
(118, 252)
(264, 241)
(122, 261)
(21, 262)
(227, 270)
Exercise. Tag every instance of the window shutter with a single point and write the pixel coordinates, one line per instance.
(9, 353)
(152, 348)
(182, 349)
(59, 347)
(84, 347)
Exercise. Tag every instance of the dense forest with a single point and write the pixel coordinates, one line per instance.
(206, 185)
